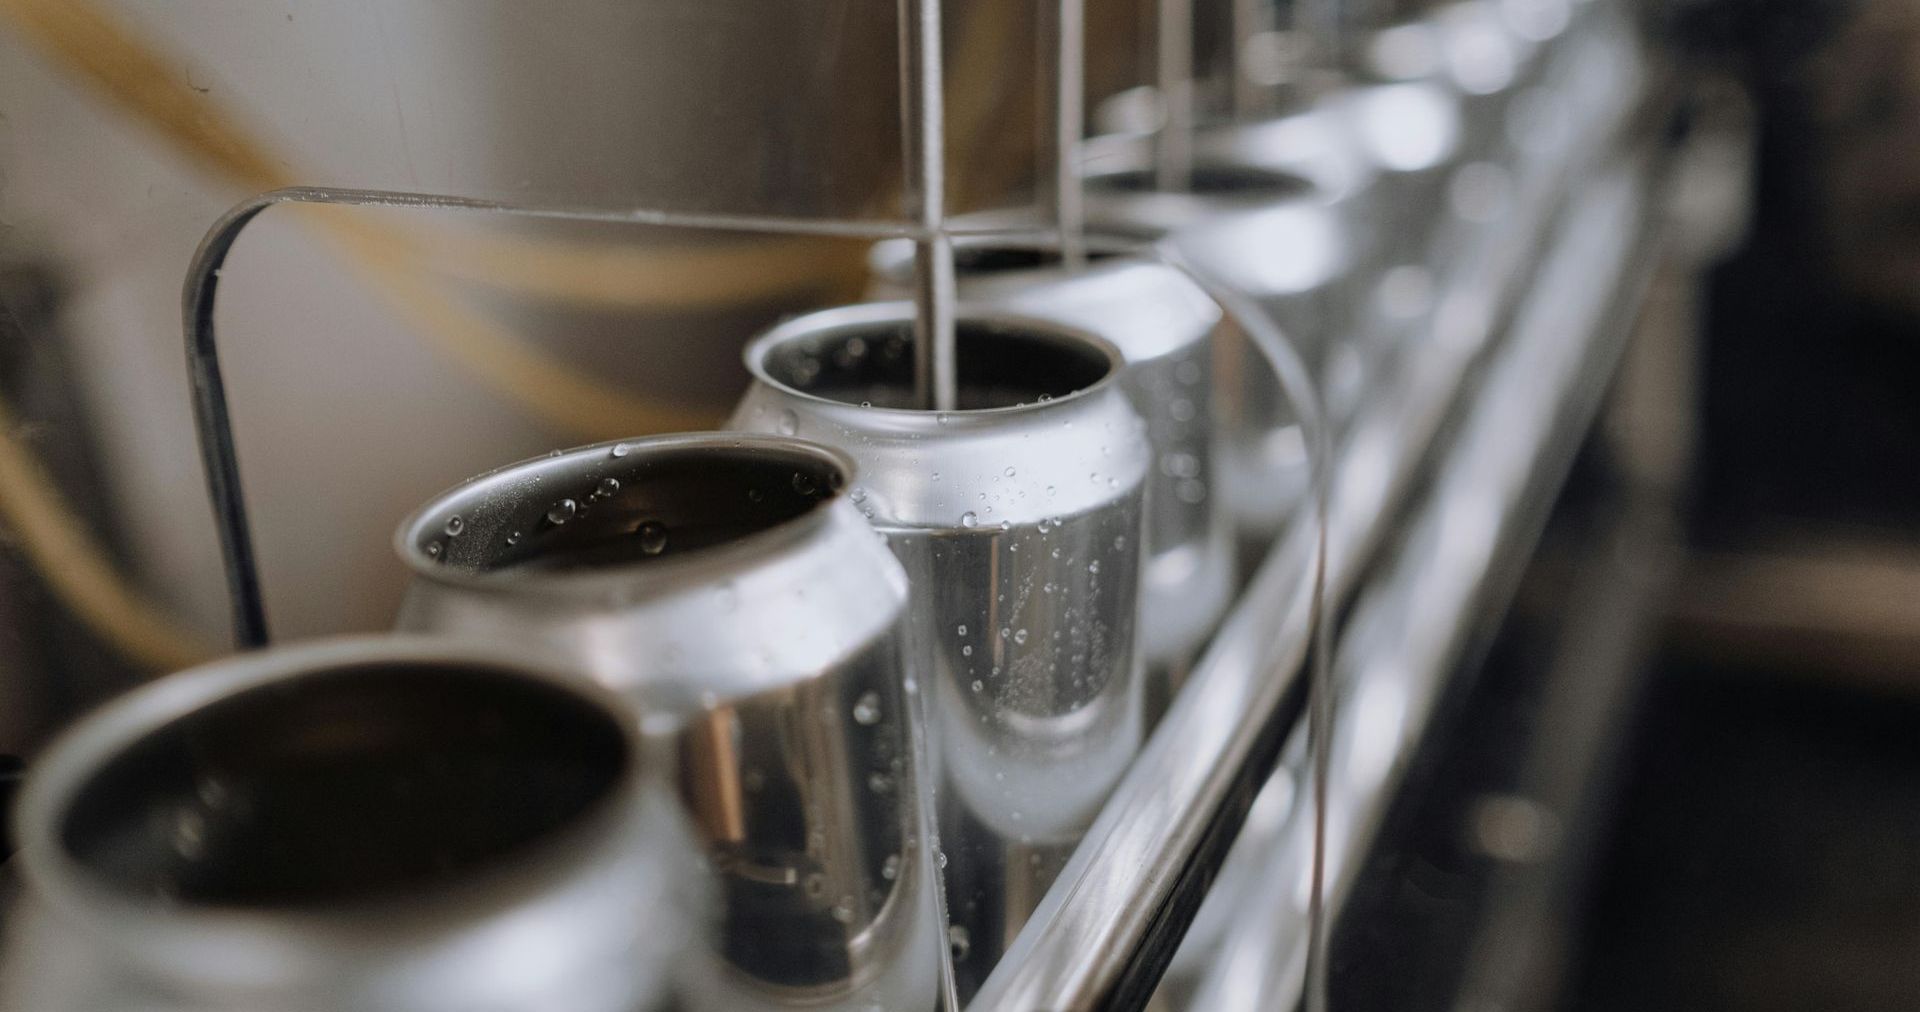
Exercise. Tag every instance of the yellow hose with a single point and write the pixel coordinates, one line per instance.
(77, 571)
(81, 37)
(84, 39)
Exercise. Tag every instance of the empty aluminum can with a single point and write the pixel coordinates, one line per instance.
(362, 823)
(726, 582)
(1276, 237)
(1018, 516)
(1164, 326)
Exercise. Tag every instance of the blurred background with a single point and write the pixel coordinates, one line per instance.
(1758, 844)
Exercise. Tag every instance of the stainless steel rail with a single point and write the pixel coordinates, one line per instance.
(1107, 930)
(1409, 630)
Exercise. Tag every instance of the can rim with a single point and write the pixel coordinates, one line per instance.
(57, 879)
(663, 575)
(865, 314)
(891, 260)
(1150, 215)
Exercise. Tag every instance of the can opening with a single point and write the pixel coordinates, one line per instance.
(341, 785)
(595, 511)
(978, 259)
(1217, 179)
(1000, 365)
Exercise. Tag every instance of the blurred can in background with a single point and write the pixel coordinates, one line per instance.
(1165, 328)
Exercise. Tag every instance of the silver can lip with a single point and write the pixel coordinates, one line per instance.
(1146, 307)
(984, 255)
(461, 536)
(207, 930)
(1219, 186)
(1314, 144)
(1100, 361)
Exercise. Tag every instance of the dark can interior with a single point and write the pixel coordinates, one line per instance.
(360, 783)
(1001, 258)
(649, 504)
(1212, 180)
(999, 365)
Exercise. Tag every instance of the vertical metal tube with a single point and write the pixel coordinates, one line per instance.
(923, 127)
(1069, 115)
(1320, 24)
(1249, 20)
(1173, 167)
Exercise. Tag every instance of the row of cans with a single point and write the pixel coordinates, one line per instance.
(844, 684)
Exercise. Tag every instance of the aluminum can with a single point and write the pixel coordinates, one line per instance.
(1165, 327)
(1277, 237)
(391, 823)
(1018, 517)
(727, 584)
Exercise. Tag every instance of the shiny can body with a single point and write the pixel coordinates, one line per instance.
(727, 584)
(393, 823)
(1166, 329)
(1019, 520)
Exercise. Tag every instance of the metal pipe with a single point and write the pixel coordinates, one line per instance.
(1069, 117)
(923, 127)
(1173, 154)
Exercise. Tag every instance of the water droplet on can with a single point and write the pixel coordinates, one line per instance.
(789, 422)
(607, 489)
(653, 537)
(968, 519)
(562, 511)
(866, 711)
(455, 525)
(620, 449)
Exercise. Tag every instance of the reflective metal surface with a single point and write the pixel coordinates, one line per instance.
(397, 824)
(1166, 329)
(1127, 895)
(1019, 519)
(1406, 632)
(728, 584)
